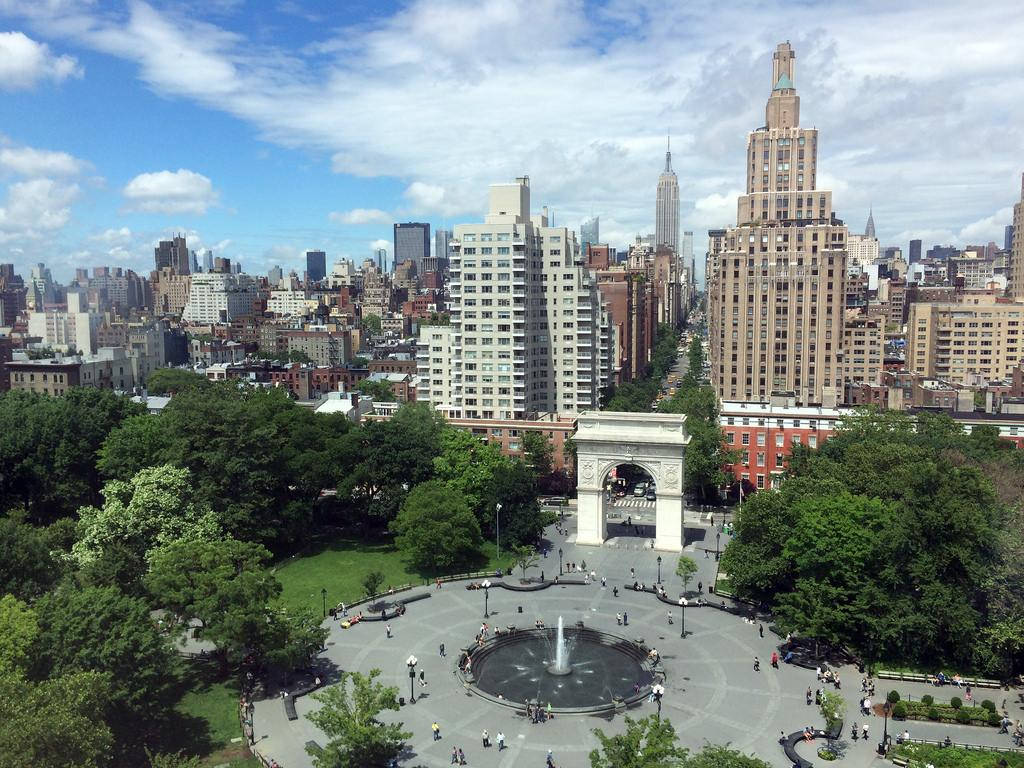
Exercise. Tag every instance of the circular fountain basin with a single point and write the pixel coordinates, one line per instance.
(604, 670)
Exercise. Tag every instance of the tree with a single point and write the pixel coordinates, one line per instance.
(103, 630)
(371, 582)
(155, 507)
(27, 568)
(298, 638)
(55, 723)
(686, 568)
(525, 557)
(436, 528)
(19, 631)
(716, 756)
(372, 323)
(165, 381)
(350, 719)
(649, 742)
(379, 391)
(225, 584)
(538, 453)
(173, 761)
(832, 707)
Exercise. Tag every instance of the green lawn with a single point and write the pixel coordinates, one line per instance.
(341, 565)
(952, 757)
(207, 718)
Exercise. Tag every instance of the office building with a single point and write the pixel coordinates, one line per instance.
(1008, 237)
(590, 232)
(915, 251)
(666, 207)
(861, 252)
(411, 243)
(776, 281)
(442, 250)
(869, 228)
(1017, 251)
(207, 260)
(219, 297)
(173, 253)
(380, 255)
(274, 275)
(529, 334)
(978, 335)
(316, 266)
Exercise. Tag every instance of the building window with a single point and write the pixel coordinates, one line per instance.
(745, 439)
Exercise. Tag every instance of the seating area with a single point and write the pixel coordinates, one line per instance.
(789, 747)
(939, 680)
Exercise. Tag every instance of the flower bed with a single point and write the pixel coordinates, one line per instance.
(947, 713)
(955, 757)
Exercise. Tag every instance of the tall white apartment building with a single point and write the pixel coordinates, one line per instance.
(862, 251)
(291, 301)
(434, 368)
(528, 331)
(216, 297)
(63, 330)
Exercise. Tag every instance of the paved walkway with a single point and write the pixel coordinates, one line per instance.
(712, 692)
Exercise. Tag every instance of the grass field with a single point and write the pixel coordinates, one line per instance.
(208, 718)
(340, 566)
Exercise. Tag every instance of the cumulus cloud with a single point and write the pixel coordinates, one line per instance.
(25, 62)
(181, 191)
(358, 216)
(28, 161)
(36, 207)
(114, 237)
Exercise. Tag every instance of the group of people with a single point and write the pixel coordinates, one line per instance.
(537, 713)
(1018, 730)
(826, 675)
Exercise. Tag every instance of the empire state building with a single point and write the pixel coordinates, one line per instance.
(666, 209)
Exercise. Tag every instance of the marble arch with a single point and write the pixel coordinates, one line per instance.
(653, 441)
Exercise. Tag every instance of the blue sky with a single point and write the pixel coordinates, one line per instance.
(265, 128)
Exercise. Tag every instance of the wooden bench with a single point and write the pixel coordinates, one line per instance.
(289, 708)
(910, 677)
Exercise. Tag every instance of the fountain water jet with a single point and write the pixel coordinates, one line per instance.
(561, 665)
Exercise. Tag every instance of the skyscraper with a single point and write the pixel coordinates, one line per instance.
(442, 248)
(173, 253)
(869, 228)
(1017, 252)
(590, 232)
(274, 276)
(915, 251)
(412, 243)
(380, 255)
(776, 281)
(519, 350)
(666, 208)
(316, 266)
(1008, 237)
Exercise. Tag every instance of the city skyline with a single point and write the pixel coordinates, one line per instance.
(259, 117)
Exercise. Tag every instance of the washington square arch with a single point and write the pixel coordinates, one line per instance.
(656, 443)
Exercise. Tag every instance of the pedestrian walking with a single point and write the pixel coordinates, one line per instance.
(551, 760)
(485, 737)
(809, 695)
(455, 756)
(625, 619)
(775, 659)
(670, 616)
(700, 587)
(437, 583)
(712, 518)
(864, 731)
(501, 740)
(760, 629)
(437, 731)
(388, 630)
(441, 650)
(344, 610)
(604, 582)
(632, 573)
(462, 757)
(618, 619)
(757, 664)
(423, 679)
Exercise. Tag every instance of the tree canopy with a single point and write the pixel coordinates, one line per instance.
(436, 528)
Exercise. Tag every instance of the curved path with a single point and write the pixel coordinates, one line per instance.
(712, 692)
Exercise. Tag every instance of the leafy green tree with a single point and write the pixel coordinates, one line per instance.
(174, 761)
(468, 465)
(27, 569)
(372, 323)
(436, 528)
(298, 638)
(164, 381)
(380, 391)
(298, 356)
(19, 631)
(350, 717)
(649, 742)
(522, 518)
(225, 584)
(833, 708)
(686, 569)
(538, 453)
(48, 449)
(155, 507)
(716, 756)
(371, 582)
(525, 557)
(55, 723)
(100, 629)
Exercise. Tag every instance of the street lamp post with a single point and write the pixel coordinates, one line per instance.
(885, 729)
(487, 590)
(497, 529)
(659, 569)
(559, 561)
(682, 617)
(718, 539)
(323, 594)
(411, 663)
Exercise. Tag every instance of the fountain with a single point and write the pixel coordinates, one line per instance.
(561, 665)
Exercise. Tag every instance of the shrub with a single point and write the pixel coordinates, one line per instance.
(927, 700)
(933, 714)
(989, 705)
(993, 718)
(899, 710)
(893, 697)
(963, 716)
(955, 702)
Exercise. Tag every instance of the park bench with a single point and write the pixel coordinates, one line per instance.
(313, 748)
(289, 708)
(789, 747)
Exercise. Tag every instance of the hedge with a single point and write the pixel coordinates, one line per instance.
(947, 713)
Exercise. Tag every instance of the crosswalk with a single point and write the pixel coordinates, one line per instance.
(633, 502)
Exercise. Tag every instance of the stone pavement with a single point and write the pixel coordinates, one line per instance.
(713, 695)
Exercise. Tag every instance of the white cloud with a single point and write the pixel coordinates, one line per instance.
(425, 198)
(114, 237)
(24, 62)
(36, 207)
(180, 191)
(28, 161)
(385, 244)
(358, 216)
